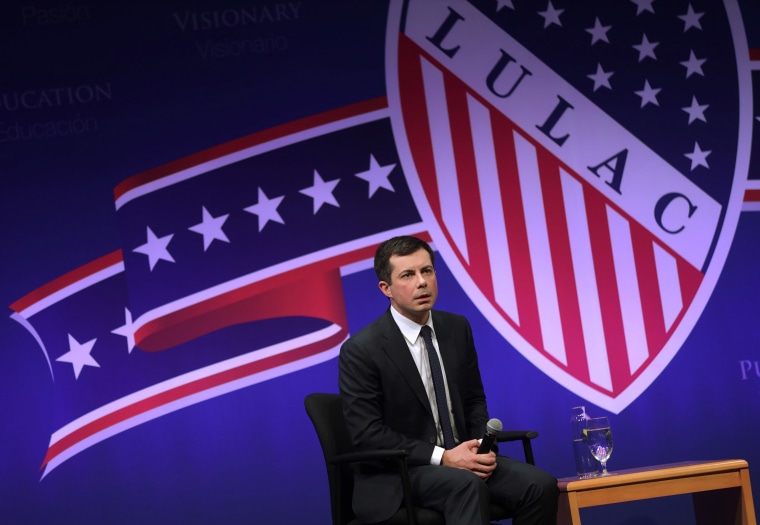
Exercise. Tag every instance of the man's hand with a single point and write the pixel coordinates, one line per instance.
(465, 456)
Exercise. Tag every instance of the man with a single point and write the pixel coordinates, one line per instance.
(388, 390)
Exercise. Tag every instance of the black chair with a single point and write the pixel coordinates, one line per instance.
(326, 414)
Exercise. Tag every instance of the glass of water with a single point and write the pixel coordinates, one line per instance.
(599, 440)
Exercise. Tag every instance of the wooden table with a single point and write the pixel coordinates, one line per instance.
(720, 490)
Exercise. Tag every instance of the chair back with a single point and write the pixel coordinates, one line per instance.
(326, 414)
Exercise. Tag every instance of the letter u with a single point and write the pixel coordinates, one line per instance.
(498, 69)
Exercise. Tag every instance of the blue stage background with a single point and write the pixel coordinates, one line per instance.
(97, 100)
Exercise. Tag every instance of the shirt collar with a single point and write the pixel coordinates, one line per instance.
(409, 329)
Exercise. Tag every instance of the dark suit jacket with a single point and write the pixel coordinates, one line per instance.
(386, 407)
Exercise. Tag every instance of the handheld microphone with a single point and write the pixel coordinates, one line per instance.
(493, 427)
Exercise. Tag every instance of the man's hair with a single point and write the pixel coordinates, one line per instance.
(402, 245)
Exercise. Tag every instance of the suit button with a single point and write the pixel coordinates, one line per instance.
(432, 440)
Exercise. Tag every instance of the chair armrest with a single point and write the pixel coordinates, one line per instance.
(520, 435)
(516, 435)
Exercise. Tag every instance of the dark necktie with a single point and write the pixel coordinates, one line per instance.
(440, 389)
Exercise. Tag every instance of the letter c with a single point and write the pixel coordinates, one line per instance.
(662, 205)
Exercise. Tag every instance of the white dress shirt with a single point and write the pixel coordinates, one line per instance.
(411, 332)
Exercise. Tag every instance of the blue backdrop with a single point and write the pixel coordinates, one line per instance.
(192, 192)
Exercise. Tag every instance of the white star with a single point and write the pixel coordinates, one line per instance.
(79, 355)
(601, 78)
(643, 5)
(695, 111)
(691, 19)
(211, 228)
(321, 192)
(648, 94)
(646, 48)
(598, 32)
(127, 330)
(266, 209)
(504, 3)
(156, 248)
(551, 15)
(698, 157)
(693, 65)
(377, 176)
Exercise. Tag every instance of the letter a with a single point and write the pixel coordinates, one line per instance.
(616, 169)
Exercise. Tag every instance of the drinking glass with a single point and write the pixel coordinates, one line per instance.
(599, 440)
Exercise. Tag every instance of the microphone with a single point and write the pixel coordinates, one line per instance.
(493, 427)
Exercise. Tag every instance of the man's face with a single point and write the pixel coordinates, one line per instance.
(413, 289)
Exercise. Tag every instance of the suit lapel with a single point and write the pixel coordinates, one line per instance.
(398, 351)
(447, 348)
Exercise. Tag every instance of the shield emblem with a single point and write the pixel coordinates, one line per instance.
(581, 179)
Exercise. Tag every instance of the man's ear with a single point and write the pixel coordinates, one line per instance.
(385, 288)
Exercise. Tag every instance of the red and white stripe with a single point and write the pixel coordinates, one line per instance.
(581, 281)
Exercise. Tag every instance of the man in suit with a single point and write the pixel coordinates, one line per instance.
(388, 387)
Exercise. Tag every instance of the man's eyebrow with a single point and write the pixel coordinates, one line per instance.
(427, 266)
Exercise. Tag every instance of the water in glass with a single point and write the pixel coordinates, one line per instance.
(600, 440)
